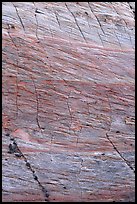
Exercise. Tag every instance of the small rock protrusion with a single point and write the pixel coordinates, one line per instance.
(35, 177)
(12, 26)
(28, 164)
(86, 13)
(38, 11)
(12, 147)
(18, 154)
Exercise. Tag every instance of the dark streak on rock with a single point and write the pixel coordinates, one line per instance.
(126, 161)
(76, 22)
(19, 17)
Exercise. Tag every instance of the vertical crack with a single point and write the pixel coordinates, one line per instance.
(71, 117)
(108, 138)
(13, 148)
(124, 26)
(117, 39)
(57, 18)
(51, 142)
(126, 161)
(88, 109)
(128, 32)
(37, 104)
(76, 22)
(87, 19)
(96, 18)
(69, 110)
(101, 39)
(77, 140)
(99, 25)
(37, 25)
(90, 28)
(131, 7)
(80, 169)
(17, 72)
(19, 16)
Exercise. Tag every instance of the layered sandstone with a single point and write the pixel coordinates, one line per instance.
(68, 101)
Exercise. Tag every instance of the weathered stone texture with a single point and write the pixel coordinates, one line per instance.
(68, 101)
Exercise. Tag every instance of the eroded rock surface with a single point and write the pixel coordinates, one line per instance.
(68, 101)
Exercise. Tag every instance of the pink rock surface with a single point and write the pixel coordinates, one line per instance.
(68, 101)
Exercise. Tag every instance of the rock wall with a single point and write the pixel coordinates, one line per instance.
(68, 93)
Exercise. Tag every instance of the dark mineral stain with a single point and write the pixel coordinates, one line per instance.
(12, 147)
(27, 164)
(12, 26)
(45, 192)
(35, 177)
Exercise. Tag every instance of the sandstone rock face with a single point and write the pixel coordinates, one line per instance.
(68, 101)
